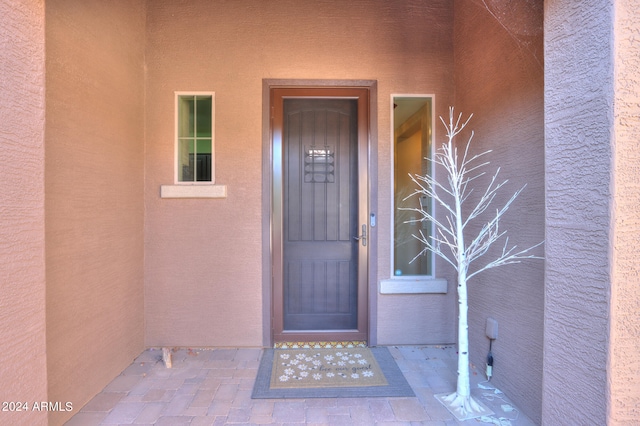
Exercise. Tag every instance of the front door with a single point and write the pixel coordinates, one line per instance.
(320, 140)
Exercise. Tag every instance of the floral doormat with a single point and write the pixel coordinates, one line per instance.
(316, 368)
(327, 373)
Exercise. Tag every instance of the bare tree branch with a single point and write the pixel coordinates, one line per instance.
(449, 239)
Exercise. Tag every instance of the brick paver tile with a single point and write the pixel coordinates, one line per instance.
(203, 421)
(156, 395)
(381, 410)
(321, 402)
(238, 415)
(124, 413)
(226, 392)
(288, 411)
(362, 415)
(221, 372)
(242, 399)
(203, 398)
(408, 409)
(226, 354)
(150, 413)
(316, 415)
(219, 408)
(436, 410)
(174, 421)
(87, 418)
(261, 407)
(178, 404)
(251, 354)
(195, 411)
(122, 383)
(341, 420)
(104, 401)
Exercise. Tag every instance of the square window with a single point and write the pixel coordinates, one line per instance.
(195, 137)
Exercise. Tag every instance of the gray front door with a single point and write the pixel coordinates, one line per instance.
(320, 214)
(317, 297)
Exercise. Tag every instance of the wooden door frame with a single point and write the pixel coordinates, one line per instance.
(368, 290)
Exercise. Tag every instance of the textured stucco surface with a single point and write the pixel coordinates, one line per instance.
(203, 273)
(499, 78)
(624, 364)
(578, 153)
(23, 375)
(94, 194)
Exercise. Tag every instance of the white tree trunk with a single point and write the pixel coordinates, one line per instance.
(463, 388)
(461, 400)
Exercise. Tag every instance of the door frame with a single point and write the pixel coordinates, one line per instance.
(271, 222)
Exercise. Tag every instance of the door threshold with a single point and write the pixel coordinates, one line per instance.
(321, 345)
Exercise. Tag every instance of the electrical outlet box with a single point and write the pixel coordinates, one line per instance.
(492, 329)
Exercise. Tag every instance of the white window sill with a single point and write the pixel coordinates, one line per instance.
(193, 191)
(413, 286)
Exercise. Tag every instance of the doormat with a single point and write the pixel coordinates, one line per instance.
(329, 373)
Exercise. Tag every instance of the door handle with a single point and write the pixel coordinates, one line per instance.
(362, 237)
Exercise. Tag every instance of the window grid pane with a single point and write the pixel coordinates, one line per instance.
(195, 143)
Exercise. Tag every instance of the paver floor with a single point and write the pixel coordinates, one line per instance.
(213, 387)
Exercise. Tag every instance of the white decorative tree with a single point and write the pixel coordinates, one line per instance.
(449, 241)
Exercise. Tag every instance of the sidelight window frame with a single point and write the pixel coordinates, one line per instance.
(396, 273)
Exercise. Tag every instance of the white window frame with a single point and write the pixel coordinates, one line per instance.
(193, 189)
(410, 283)
(177, 144)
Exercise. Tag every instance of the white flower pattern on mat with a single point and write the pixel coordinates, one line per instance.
(302, 366)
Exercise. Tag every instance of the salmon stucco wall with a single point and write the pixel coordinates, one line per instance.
(579, 95)
(624, 353)
(23, 375)
(499, 79)
(94, 194)
(203, 273)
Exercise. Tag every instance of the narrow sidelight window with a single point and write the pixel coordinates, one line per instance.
(194, 133)
(412, 140)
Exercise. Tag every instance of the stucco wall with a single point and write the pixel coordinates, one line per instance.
(94, 194)
(22, 266)
(624, 364)
(578, 153)
(499, 78)
(203, 274)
